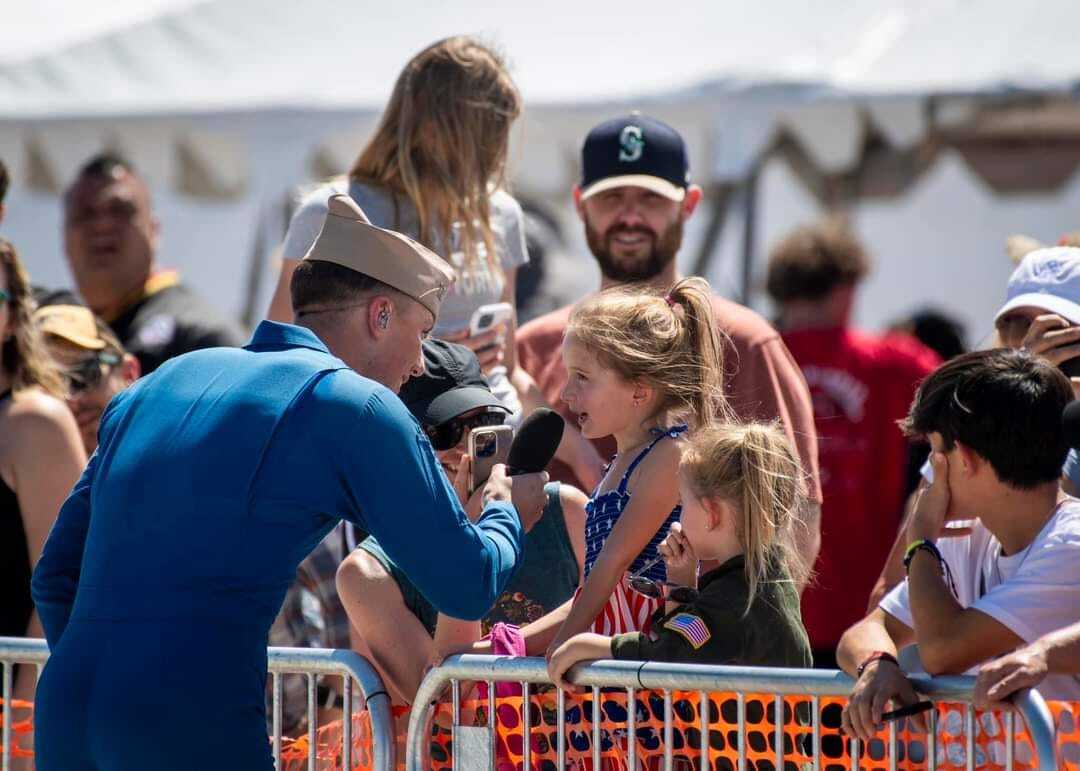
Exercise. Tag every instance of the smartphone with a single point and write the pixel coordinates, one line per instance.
(487, 316)
(487, 445)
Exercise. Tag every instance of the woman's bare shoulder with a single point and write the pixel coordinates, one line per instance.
(34, 420)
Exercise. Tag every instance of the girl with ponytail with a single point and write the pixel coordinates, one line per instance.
(644, 367)
(741, 487)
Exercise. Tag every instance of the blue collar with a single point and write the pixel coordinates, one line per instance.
(273, 334)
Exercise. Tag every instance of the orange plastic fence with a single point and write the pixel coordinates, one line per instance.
(723, 734)
(22, 724)
(686, 735)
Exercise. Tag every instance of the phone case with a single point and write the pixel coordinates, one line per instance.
(488, 445)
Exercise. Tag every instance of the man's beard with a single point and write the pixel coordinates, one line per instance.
(626, 270)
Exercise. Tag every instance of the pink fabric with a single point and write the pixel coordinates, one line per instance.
(506, 640)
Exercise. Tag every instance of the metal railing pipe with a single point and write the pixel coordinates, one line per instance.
(280, 661)
(657, 676)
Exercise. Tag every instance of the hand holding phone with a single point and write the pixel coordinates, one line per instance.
(487, 316)
(487, 446)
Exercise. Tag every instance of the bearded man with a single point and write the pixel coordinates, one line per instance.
(634, 199)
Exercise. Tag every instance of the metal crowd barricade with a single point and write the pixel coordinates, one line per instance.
(16, 650)
(477, 745)
(312, 662)
(350, 666)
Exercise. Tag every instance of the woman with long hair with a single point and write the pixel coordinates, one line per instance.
(436, 170)
(41, 453)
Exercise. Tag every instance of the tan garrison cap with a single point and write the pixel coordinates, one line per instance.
(349, 239)
(73, 323)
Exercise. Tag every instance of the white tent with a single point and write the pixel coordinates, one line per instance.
(227, 105)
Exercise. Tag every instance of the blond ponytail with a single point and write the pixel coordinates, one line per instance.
(669, 341)
(754, 467)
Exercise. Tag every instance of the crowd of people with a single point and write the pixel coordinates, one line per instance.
(726, 491)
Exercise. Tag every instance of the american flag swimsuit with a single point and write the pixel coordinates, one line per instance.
(626, 610)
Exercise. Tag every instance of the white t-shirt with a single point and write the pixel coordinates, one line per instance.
(477, 282)
(1032, 592)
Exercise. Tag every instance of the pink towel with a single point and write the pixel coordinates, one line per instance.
(506, 640)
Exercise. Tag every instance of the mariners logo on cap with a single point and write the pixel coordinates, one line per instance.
(631, 144)
(638, 151)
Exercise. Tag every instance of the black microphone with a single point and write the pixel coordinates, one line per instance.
(535, 443)
(1070, 421)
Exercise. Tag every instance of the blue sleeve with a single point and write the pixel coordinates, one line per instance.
(56, 576)
(404, 499)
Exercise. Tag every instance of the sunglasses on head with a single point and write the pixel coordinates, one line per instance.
(661, 590)
(448, 435)
(88, 373)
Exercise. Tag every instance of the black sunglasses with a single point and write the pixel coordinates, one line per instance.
(88, 373)
(447, 436)
(661, 590)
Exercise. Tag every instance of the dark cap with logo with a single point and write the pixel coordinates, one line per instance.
(635, 151)
(452, 384)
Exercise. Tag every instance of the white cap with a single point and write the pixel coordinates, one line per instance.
(1048, 279)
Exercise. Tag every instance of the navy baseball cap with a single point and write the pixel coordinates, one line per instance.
(452, 384)
(638, 151)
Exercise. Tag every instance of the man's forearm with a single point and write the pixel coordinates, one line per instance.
(934, 610)
(539, 634)
(1062, 650)
(860, 641)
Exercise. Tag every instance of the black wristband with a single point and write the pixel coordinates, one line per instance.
(875, 656)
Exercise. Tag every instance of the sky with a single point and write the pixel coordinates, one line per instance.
(40, 25)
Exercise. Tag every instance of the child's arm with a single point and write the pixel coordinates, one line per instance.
(582, 647)
(538, 634)
(696, 634)
(654, 493)
(681, 561)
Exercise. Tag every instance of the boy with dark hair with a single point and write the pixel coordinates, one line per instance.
(861, 385)
(993, 419)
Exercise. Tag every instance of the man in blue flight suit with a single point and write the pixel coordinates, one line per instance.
(215, 476)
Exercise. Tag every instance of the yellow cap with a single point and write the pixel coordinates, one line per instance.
(349, 239)
(73, 323)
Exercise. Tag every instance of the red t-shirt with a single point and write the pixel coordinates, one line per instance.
(861, 386)
(762, 380)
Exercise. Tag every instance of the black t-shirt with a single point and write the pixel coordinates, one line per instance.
(172, 321)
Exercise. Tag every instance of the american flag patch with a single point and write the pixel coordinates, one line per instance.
(691, 627)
